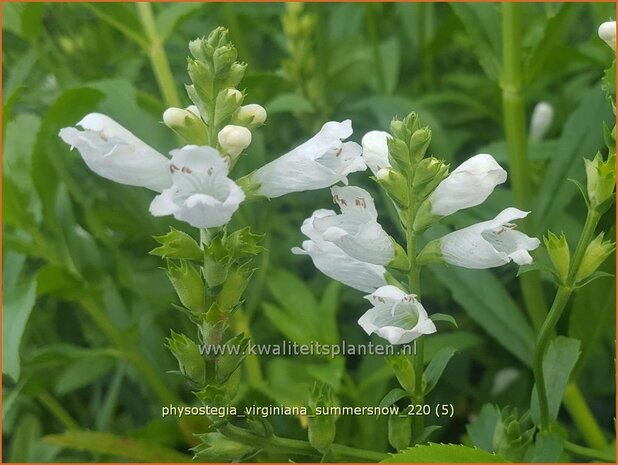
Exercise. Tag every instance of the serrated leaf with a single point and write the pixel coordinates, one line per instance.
(437, 453)
(393, 396)
(558, 363)
(116, 446)
(436, 367)
(177, 244)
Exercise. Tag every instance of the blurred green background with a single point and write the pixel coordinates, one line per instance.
(86, 309)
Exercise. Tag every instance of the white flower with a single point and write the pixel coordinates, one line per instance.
(234, 139)
(467, 186)
(254, 113)
(113, 152)
(320, 162)
(334, 262)
(607, 32)
(375, 150)
(540, 122)
(356, 230)
(490, 243)
(396, 316)
(201, 193)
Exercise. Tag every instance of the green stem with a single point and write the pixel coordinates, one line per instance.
(252, 362)
(287, 446)
(517, 142)
(578, 409)
(158, 58)
(562, 297)
(588, 453)
(52, 404)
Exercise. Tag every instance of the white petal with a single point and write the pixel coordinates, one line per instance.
(468, 185)
(115, 153)
(607, 32)
(200, 159)
(375, 150)
(355, 201)
(540, 122)
(163, 204)
(318, 163)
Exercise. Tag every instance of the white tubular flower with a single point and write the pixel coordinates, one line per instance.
(607, 32)
(490, 243)
(114, 153)
(375, 150)
(396, 316)
(467, 186)
(320, 162)
(356, 230)
(334, 262)
(540, 122)
(234, 139)
(254, 113)
(201, 193)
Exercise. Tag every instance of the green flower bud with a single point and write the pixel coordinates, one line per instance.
(400, 261)
(218, 448)
(322, 427)
(431, 253)
(235, 75)
(222, 58)
(395, 185)
(398, 153)
(424, 216)
(596, 253)
(219, 37)
(399, 431)
(187, 124)
(429, 173)
(601, 181)
(510, 439)
(233, 288)
(228, 103)
(558, 250)
(419, 143)
(404, 371)
(190, 360)
(230, 360)
(202, 77)
(201, 50)
(188, 285)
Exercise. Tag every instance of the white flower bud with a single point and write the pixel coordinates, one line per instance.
(607, 32)
(175, 117)
(234, 139)
(193, 109)
(540, 122)
(254, 113)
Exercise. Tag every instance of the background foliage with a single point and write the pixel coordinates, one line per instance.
(86, 309)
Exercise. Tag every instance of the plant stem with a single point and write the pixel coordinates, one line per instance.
(579, 411)
(158, 58)
(588, 453)
(52, 404)
(562, 297)
(286, 446)
(517, 142)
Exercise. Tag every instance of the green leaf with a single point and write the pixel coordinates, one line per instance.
(177, 244)
(593, 277)
(548, 447)
(554, 28)
(482, 429)
(487, 302)
(582, 135)
(391, 63)
(172, 15)
(188, 285)
(436, 453)
(558, 363)
(289, 103)
(608, 84)
(111, 445)
(393, 396)
(436, 367)
(83, 372)
(16, 308)
(444, 317)
(121, 17)
(482, 23)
